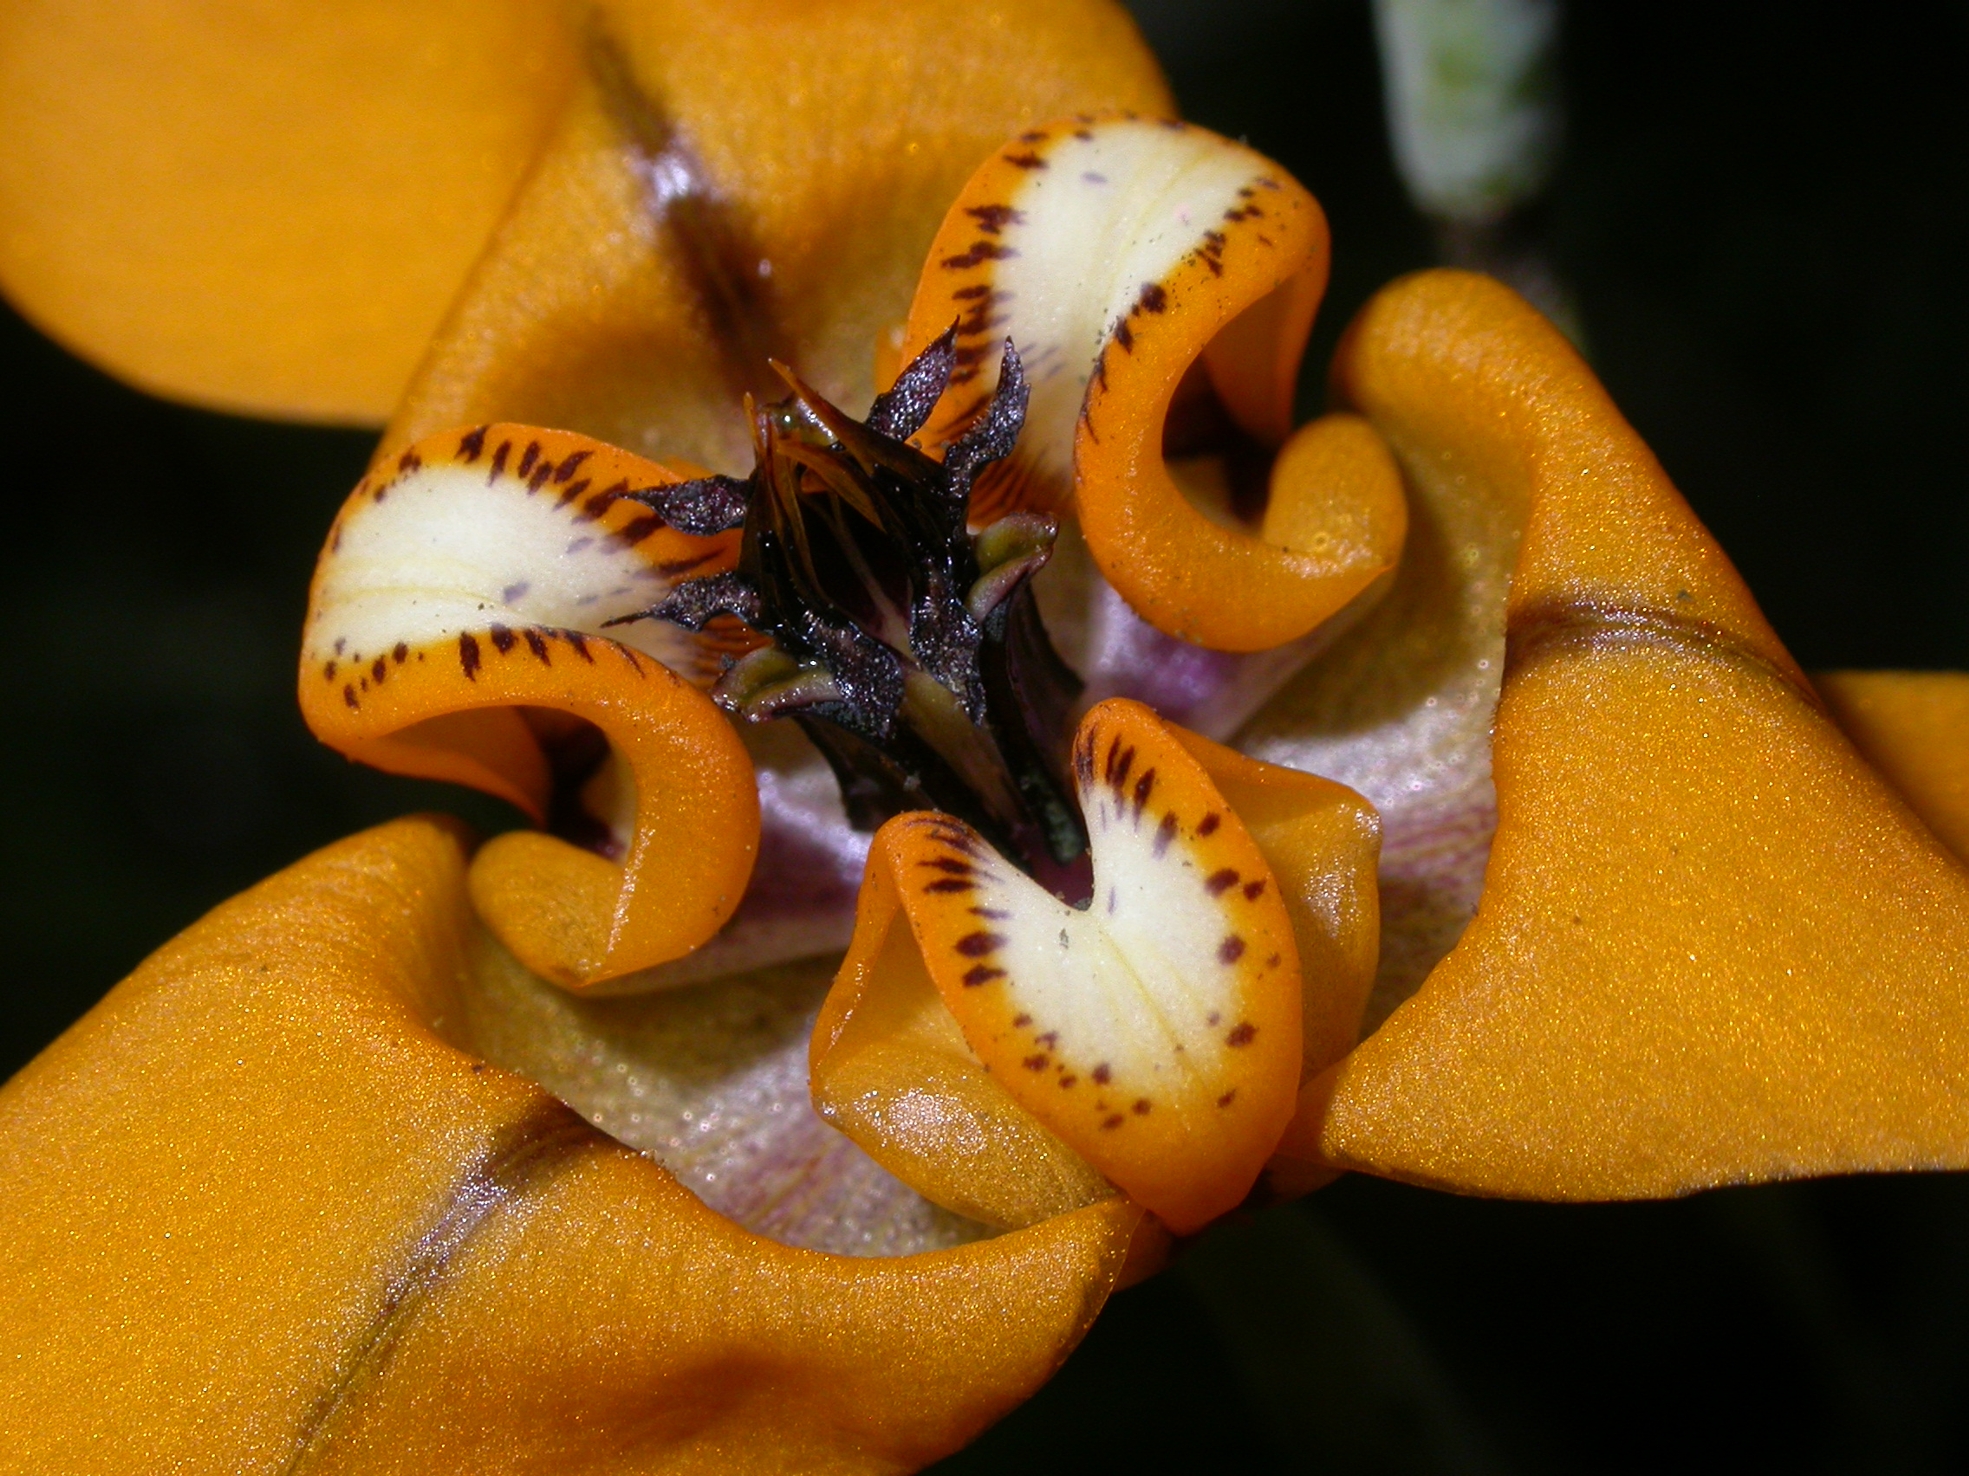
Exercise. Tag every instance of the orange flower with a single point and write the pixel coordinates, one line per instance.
(1712, 944)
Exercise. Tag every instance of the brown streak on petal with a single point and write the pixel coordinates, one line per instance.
(525, 1156)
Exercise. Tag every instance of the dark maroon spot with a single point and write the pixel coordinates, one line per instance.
(1220, 882)
(1231, 949)
(1117, 765)
(1253, 890)
(600, 502)
(1164, 834)
(1051, 1040)
(978, 944)
(528, 458)
(498, 462)
(1102, 1073)
(537, 643)
(401, 654)
(976, 289)
(1274, 961)
(409, 462)
(513, 591)
(952, 884)
(503, 638)
(979, 253)
(1025, 161)
(980, 974)
(468, 657)
(1111, 1122)
(1241, 1035)
(992, 914)
(471, 444)
(379, 670)
(1209, 823)
(328, 671)
(574, 490)
(569, 465)
(340, 642)
(637, 529)
(992, 219)
(1228, 1098)
(1067, 1081)
(349, 695)
(1037, 1062)
(674, 568)
(1124, 337)
(1144, 787)
(1083, 765)
(1019, 1022)
(539, 478)
(956, 865)
(1141, 1107)
(580, 643)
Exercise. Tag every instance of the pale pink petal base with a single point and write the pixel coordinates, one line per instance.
(711, 1081)
(1400, 708)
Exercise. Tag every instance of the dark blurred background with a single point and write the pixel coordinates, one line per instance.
(1760, 212)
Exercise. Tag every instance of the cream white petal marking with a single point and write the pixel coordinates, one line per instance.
(448, 547)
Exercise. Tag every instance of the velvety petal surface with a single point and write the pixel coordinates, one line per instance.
(1913, 726)
(374, 1252)
(262, 205)
(1712, 944)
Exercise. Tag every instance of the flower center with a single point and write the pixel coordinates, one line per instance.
(909, 649)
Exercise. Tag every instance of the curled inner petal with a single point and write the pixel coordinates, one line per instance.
(1156, 1031)
(1212, 256)
(472, 579)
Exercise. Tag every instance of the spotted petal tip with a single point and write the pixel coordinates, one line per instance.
(464, 625)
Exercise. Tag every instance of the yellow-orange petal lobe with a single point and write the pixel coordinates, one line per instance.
(458, 629)
(264, 207)
(1712, 946)
(1157, 1031)
(1913, 726)
(1117, 254)
(257, 1213)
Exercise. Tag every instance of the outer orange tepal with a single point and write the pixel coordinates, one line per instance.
(1713, 946)
(268, 1189)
